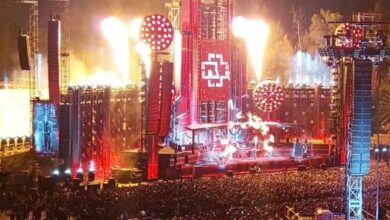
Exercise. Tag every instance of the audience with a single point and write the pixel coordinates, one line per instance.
(260, 196)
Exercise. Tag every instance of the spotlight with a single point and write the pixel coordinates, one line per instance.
(376, 150)
(68, 172)
(384, 149)
(56, 172)
(92, 166)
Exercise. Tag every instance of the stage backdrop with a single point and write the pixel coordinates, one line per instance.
(214, 72)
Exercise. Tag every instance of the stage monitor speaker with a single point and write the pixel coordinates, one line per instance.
(76, 182)
(93, 186)
(111, 183)
(229, 173)
(301, 167)
(24, 52)
(123, 176)
(324, 166)
(91, 176)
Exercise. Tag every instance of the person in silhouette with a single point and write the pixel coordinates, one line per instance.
(46, 136)
(297, 149)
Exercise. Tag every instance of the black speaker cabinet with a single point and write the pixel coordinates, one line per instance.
(24, 52)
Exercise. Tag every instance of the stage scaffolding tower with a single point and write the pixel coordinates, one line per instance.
(33, 33)
(354, 52)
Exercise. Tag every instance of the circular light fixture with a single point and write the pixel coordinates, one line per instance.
(268, 96)
(157, 31)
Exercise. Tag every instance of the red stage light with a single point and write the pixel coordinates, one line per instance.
(352, 36)
(268, 96)
(157, 31)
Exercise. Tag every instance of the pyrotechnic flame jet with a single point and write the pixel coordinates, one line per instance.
(116, 32)
(255, 33)
(142, 48)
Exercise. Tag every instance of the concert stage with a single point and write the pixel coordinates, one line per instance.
(207, 164)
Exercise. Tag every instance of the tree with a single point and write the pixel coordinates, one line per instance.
(381, 99)
(319, 27)
(278, 54)
(298, 17)
(378, 7)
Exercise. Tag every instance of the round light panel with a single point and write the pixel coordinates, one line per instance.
(157, 31)
(268, 96)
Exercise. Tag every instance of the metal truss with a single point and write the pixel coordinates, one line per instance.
(354, 189)
(33, 33)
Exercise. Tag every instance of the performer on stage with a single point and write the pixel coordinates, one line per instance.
(254, 151)
(297, 149)
(46, 135)
(269, 149)
(228, 152)
(305, 147)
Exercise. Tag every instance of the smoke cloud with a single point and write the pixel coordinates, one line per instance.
(309, 69)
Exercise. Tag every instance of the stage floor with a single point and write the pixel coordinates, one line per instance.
(200, 168)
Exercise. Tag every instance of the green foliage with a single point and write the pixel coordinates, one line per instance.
(385, 105)
(278, 54)
(318, 28)
(381, 100)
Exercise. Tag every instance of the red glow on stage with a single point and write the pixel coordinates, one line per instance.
(352, 36)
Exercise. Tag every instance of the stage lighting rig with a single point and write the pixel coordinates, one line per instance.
(80, 173)
(356, 39)
(157, 31)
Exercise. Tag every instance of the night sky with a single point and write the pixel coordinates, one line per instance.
(86, 14)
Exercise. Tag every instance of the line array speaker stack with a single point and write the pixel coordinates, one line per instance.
(24, 52)
(54, 64)
(166, 98)
(361, 117)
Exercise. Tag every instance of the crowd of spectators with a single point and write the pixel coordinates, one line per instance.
(258, 196)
